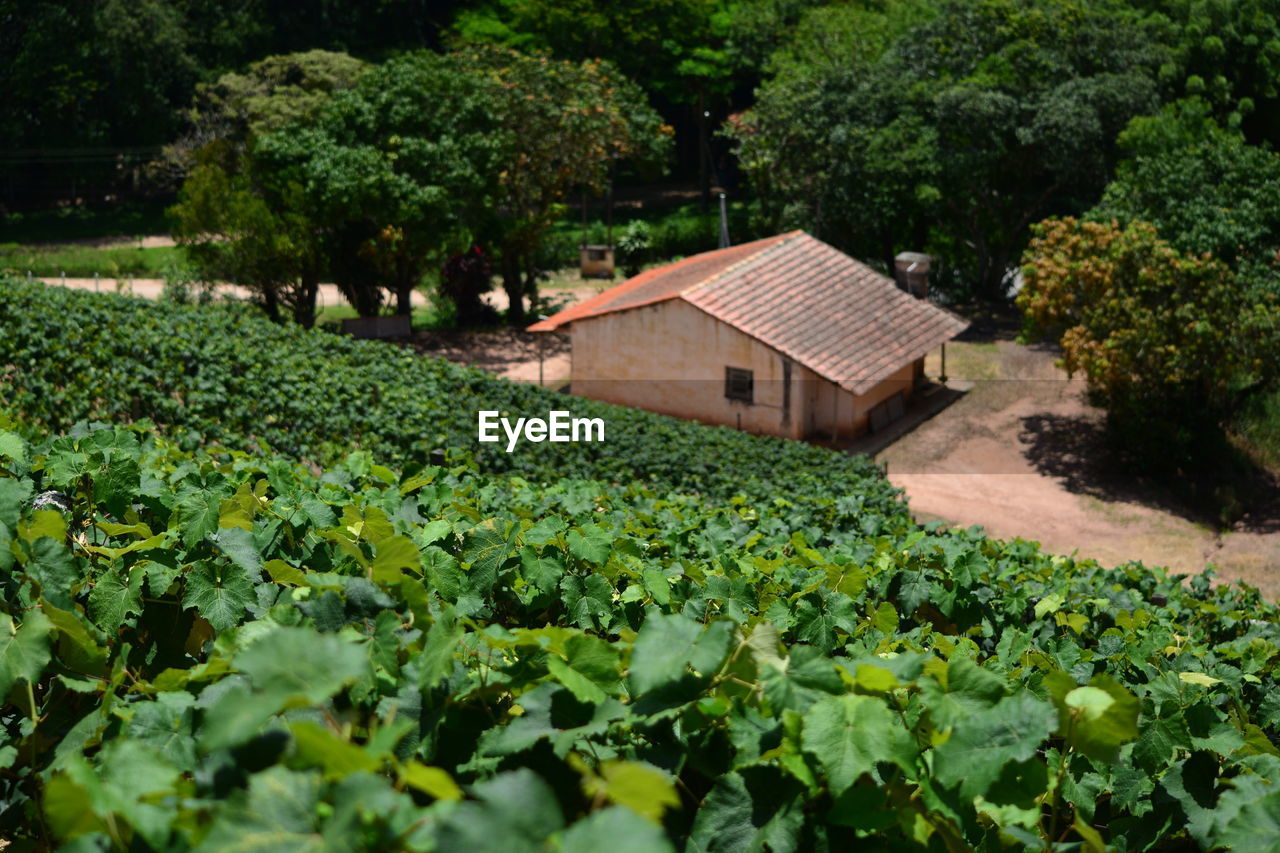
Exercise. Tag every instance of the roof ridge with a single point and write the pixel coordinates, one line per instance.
(775, 243)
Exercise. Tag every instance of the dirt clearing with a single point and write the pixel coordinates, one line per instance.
(1023, 455)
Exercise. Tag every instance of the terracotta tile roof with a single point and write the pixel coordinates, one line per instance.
(659, 283)
(836, 316)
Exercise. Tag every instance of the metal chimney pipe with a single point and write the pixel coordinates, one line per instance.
(911, 271)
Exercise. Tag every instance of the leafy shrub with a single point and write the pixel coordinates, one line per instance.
(226, 375)
(211, 652)
(634, 247)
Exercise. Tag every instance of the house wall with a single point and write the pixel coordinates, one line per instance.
(670, 358)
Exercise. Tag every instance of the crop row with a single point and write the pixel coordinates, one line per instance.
(228, 651)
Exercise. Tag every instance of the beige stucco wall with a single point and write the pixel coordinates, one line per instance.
(670, 357)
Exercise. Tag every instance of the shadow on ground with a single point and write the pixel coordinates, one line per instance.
(1076, 450)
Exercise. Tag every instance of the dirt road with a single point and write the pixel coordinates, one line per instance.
(1023, 455)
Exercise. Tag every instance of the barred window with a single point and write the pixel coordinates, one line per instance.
(739, 384)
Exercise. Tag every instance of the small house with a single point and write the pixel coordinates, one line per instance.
(786, 336)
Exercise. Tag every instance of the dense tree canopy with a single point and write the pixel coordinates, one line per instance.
(564, 127)
(239, 217)
(955, 134)
(1163, 337)
(394, 171)
(1204, 188)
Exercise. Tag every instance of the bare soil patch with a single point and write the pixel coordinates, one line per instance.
(512, 353)
(1023, 455)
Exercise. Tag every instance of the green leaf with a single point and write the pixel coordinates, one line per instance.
(644, 789)
(542, 572)
(1255, 827)
(13, 493)
(432, 781)
(588, 602)
(12, 446)
(616, 830)
(77, 647)
(670, 645)
(317, 746)
(590, 668)
(236, 716)
(284, 574)
(516, 812)
(302, 662)
(590, 543)
(756, 809)
(196, 516)
(277, 814)
(1098, 719)
(237, 543)
(849, 734)
(24, 649)
(219, 592)
(885, 619)
(982, 743)
(656, 583)
(115, 596)
(391, 556)
(969, 690)
(486, 547)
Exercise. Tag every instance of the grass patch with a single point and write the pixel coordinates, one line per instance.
(84, 261)
(333, 315)
(1257, 426)
(131, 219)
(675, 230)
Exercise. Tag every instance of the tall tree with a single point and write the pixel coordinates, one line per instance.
(396, 171)
(1204, 188)
(566, 125)
(239, 216)
(967, 129)
(1163, 338)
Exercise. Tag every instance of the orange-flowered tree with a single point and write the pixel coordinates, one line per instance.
(1167, 341)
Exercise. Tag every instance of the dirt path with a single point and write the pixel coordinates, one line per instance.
(1022, 454)
(514, 354)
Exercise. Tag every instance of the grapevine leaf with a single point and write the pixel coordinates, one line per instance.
(757, 808)
(317, 746)
(590, 543)
(640, 787)
(302, 661)
(197, 515)
(115, 597)
(542, 572)
(277, 814)
(237, 543)
(12, 494)
(617, 830)
(982, 743)
(850, 734)
(669, 645)
(219, 592)
(391, 556)
(24, 650)
(516, 812)
(589, 668)
(430, 780)
(1099, 718)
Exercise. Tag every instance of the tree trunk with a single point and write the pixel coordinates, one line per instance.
(271, 302)
(404, 300)
(304, 310)
(531, 284)
(513, 283)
